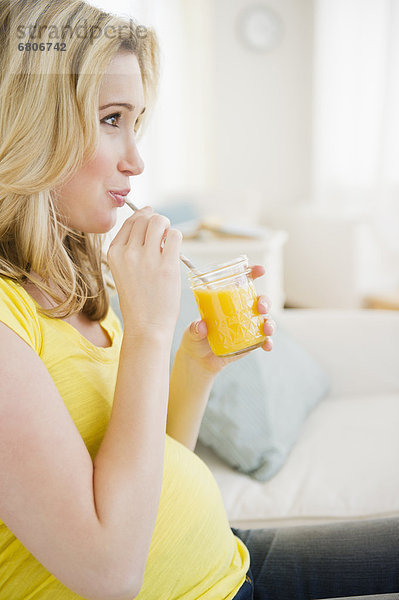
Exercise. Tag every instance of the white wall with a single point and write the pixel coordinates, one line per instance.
(263, 109)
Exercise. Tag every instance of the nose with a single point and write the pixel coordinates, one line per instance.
(131, 162)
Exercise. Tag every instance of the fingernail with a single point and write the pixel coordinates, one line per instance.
(270, 326)
(268, 345)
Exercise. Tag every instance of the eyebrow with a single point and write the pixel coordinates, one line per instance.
(130, 107)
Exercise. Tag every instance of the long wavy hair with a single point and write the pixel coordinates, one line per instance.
(53, 54)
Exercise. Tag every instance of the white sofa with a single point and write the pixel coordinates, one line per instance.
(345, 464)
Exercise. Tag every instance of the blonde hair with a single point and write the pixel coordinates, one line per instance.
(49, 128)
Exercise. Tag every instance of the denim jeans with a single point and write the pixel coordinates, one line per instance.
(322, 561)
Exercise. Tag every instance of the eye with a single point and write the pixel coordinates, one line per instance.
(116, 116)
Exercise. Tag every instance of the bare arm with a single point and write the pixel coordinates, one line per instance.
(194, 370)
(188, 396)
(129, 465)
(91, 525)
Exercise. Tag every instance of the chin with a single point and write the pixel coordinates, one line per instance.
(105, 229)
(107, 223)
(100, 220)
(99, 228)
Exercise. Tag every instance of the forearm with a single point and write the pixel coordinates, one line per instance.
(189, 391)
(128, 468)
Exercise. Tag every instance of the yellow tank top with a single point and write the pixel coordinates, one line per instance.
(193, 552)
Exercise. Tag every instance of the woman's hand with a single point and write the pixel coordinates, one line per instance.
(195, 348)
(144, 261)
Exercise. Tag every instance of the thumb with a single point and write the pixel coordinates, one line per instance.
(198, 330)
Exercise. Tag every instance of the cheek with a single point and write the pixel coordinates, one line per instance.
(93, 176)
(100, 165)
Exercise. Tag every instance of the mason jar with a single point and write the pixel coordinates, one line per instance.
(227, 299)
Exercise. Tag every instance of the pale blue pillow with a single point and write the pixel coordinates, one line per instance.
(259, 403)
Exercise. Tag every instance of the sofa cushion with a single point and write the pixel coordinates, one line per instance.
(343, 466)
(259, 403)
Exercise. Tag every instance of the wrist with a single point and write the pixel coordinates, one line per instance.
(147, 337)
(193, 366)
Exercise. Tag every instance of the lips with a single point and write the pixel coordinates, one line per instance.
(119, 196)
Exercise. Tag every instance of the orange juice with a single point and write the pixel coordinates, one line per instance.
(227, 304)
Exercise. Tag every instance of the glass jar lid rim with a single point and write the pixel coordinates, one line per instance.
(193, 275)
(216, 283)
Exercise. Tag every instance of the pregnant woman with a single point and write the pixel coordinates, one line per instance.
(101, 494)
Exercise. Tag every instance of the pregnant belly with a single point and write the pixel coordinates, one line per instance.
(193, 548)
